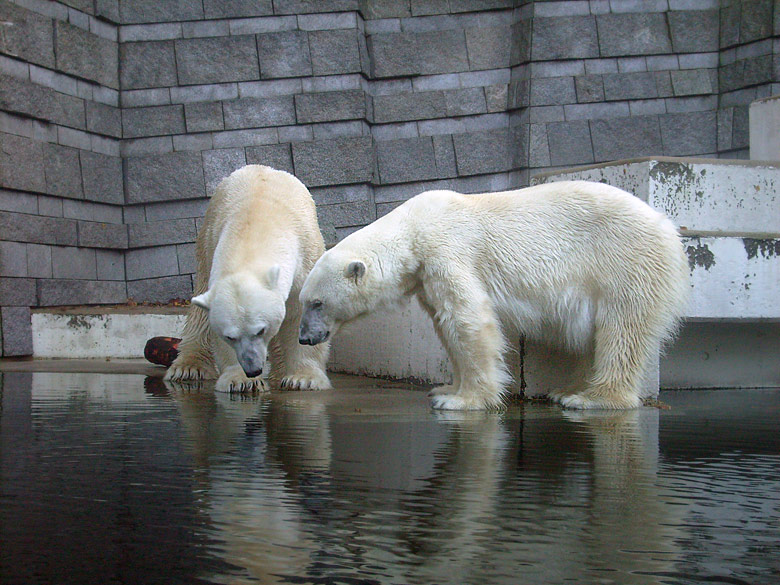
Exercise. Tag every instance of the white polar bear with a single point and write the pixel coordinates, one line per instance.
(259, 240)
(584, 265)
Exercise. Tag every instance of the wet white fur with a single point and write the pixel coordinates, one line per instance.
(259, 240)
(578, 264)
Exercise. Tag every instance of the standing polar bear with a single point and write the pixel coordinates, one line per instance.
(582, 265)
(259, 240)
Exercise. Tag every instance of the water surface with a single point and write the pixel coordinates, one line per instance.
(118, 479)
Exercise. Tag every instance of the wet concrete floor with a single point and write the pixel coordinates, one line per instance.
(110, 477)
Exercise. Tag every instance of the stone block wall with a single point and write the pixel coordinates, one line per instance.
(119, 117)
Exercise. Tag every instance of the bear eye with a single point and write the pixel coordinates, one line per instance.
(231, 339)
(316, 305)
(260, 332)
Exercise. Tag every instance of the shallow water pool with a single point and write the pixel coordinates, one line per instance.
(114, 478)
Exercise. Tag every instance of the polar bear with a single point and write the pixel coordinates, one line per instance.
(259, 240)
(584, 265)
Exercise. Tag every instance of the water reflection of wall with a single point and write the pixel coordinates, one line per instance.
(306, 488)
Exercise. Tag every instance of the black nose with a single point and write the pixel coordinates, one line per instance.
(305, 340)
(253, 374)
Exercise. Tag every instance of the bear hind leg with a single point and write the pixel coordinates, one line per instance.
(621, 354)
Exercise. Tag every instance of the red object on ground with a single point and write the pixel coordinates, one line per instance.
(162, 350)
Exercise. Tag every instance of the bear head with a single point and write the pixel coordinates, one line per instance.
(338, 289)
(246, 311)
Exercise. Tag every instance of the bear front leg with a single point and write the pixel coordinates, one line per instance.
(296, 366)
(469, 329)
(195, 361)
(232, 377)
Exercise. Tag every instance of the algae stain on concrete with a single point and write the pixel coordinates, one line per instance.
(79, 322)
(700, 256)
(767, 247)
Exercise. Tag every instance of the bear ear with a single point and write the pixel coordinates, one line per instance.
(272, 276)
(203, 300)
(355, 270)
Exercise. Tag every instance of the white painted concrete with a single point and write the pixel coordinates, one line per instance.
(99, 333)
(764, 124)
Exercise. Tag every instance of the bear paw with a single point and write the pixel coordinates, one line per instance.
(306, 381)
(442, 391)
(580, 402)
(233, 379)
(182, 370)
(454, 402)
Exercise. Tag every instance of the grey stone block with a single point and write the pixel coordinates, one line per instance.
(17, 292)
(108, 9)
(17, 331)
(162, 177)
(141, 11)
(18, 201)
(691, 82)
(251, 137)
(62, 170)
(204, 93)
(339, 215)
(140, 146)
(552, 91)
(251, 26)
(37, 230)
(465, 102)
(621, 35)
(103, 119)
(160, 290)
(379, 9)
(277, 156)
(161, 233)
(334, 162)
(237, 8)
(86, 55)
(188, 263)
(630, 86)
(259, 112)
(489, 47)
(27, 36)
(479, 5)
(404, 161)
(21, 161)
(334, 52)
(216, 60)
(195, 208)
(496, 97)
(110, 265)
(538, 147)
(756, 20)
(619, 138)
(330, 106)
(13, 259)
(426, 53)
(38, 261)
(49, 206)
(566, 37)
(21, 96)
(146, 97)
(331, 130)
(54, 292)
(197, 142)
(151, 262)
(284, 54)
(479, 153)
(409, 106)
(663, 83)
(689, 134)
(444, 152)
(90, 211)
(102, 177)
(590, 88)
(208, 28)
(73, 263)
(218, 164)
(203, 116)
(694, 31)
(147, 64)
(569, 143)
(93, 234)
(153, 121)
(312, 6)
